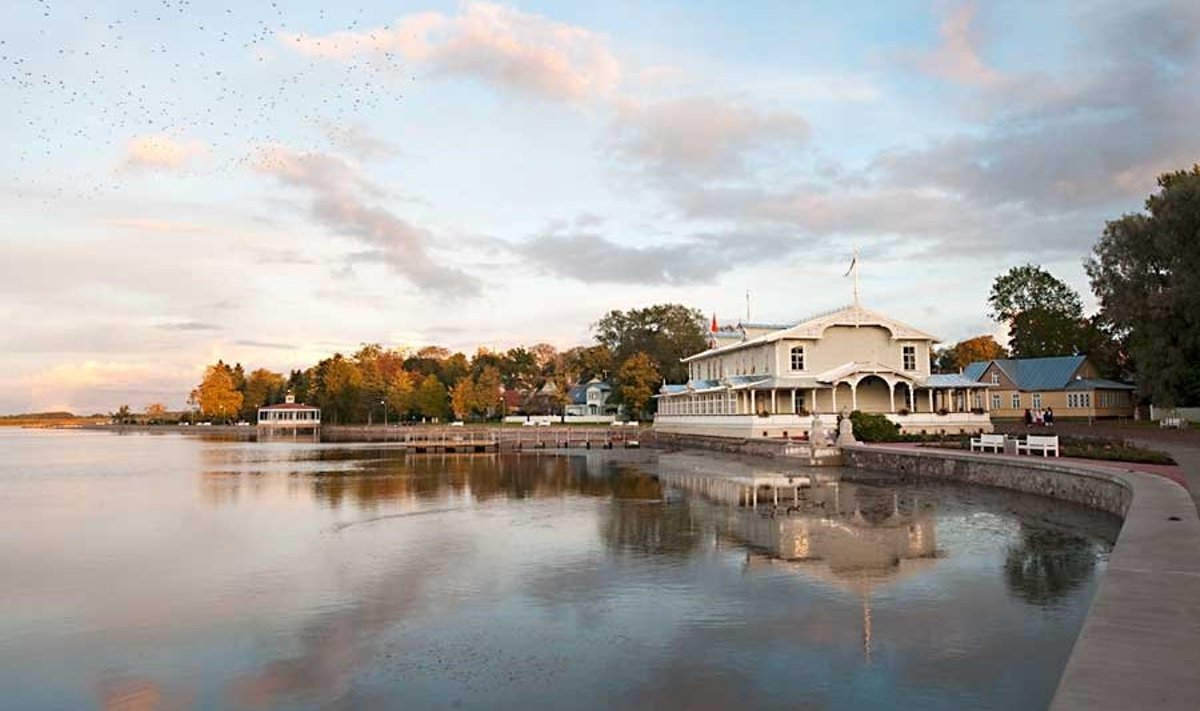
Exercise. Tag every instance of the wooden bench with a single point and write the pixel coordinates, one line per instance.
(985, 442)
(1039, 443)
(1176, 422)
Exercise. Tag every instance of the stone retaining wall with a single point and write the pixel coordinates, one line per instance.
(1089, 487)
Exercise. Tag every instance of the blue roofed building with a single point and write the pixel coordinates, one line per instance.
(1069, 385)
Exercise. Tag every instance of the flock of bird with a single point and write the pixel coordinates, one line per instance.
(80, 84)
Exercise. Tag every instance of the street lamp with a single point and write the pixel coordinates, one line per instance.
(384, 403)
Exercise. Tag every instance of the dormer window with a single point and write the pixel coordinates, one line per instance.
(798, 358)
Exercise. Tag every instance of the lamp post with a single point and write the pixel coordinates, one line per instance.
(384, 403)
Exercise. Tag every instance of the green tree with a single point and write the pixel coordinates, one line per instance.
(636, 382)
(1145, 271)
(339, 390)
(1044, 314)
(123, 415)
(430, 398)
(665, 333)
(263, 387)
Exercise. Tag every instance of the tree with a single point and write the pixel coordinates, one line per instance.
(217, 394)
(400, 392)
(156, 412)
(430, 399)
(263, 387)
(636, 382)
(489, 392)
(1145, 271)
(1044, 314)
(463, 399)
(122, 415)
(665, 333)
(963, 353)
(340, 390)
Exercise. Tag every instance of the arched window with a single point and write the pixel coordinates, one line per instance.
(798, 358)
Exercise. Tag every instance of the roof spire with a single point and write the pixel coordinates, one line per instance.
(747, 306)
(713, 327)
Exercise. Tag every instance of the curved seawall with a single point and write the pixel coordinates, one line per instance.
(1140, 644)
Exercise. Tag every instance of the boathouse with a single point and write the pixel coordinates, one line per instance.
(289, 418)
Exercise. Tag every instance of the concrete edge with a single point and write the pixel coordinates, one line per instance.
(1139, 646)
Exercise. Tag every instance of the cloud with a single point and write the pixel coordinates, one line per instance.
(143, 224)
(488, 42)
(161, 151)
(580, 255)
(187, 326)
(957, 58)
(701, 135)
(265, 344)
(360, 143)
(340, 196)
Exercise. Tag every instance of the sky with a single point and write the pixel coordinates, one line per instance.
(272, 182)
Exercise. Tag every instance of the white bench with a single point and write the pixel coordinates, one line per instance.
(1176, 422)
(984, 442)
(1039, 443)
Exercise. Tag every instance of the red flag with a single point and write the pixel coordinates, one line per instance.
(713, 328)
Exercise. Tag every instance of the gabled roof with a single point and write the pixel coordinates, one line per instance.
(853, 315)
(1053, 373)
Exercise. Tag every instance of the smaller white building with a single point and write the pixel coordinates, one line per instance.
(289, 417)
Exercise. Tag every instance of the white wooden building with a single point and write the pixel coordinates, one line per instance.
(769, 382)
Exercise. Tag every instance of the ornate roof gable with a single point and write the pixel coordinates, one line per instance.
(853, 315)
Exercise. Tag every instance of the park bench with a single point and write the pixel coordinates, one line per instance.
(985, 442)
(1039, 443)
(1176, 422)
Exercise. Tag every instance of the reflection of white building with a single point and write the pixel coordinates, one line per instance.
(765, 381)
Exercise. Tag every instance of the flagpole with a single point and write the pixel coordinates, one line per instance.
(856, 276)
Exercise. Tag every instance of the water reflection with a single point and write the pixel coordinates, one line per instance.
(239, 575)
(1048, 565)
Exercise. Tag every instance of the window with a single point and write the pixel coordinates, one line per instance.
(798, 358)
(995, 378)
(1016, 401)
(995, 401)
(910, 357)
(1037, 401)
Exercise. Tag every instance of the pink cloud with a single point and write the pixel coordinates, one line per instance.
(957, 58)
(494, 43)
(162, 151)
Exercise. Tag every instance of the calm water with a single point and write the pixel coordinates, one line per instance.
(167, 572)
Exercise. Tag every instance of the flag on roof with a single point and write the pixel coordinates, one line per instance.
(853, 261)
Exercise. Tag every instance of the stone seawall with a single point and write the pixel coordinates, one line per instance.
(796, 452)
(1090, 487)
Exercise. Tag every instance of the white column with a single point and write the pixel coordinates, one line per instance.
(774, 409)
(892, 396)
(931, 408)
(753, 403)
(853, 396)
(793, 410)
(835, 387)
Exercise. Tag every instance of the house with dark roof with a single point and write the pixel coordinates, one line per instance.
(590, 399)
(1068, 385)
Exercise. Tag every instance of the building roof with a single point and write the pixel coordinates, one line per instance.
(289, 406)
(1053, 373)
(951, 380)
(578, 393)
(1098, 384)
(853, 315)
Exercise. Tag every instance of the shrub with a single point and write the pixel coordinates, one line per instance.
(870, 427)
